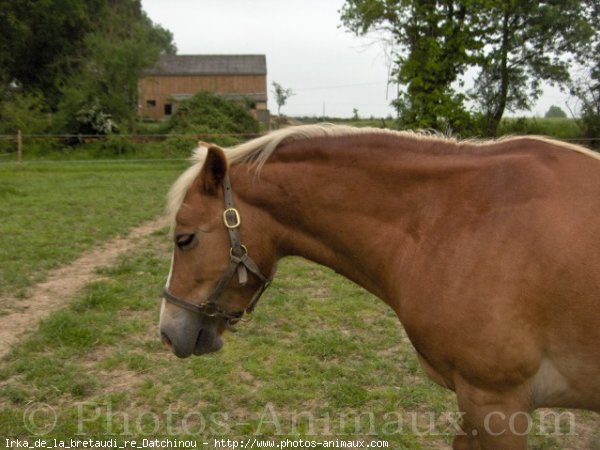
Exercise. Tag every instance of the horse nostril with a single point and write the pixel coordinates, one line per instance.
(165, 339)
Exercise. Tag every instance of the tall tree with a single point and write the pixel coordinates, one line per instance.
(42, 42)
(433, 44)
(120, 47)
(586, 88)
(516, 44)
(527, 42)
(54, 47)
(281, 95)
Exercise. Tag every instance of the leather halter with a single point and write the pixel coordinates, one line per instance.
(240, 262)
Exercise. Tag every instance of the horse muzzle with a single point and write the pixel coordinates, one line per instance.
(205, 342)
(189, 334)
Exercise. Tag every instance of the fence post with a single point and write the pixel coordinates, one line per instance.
(19, 147)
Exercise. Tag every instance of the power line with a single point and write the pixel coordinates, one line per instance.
(340, 86)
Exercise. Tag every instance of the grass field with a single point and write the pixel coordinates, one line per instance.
(322, 359)
(52, 212)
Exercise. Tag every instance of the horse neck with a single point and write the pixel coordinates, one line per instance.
(347, 206)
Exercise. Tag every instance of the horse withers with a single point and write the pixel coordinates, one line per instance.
(488, 252)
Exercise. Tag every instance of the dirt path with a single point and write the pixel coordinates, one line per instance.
(63, 283)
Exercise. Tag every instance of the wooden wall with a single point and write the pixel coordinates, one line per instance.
(162, 89)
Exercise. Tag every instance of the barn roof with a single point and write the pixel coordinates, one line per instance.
(209, 65)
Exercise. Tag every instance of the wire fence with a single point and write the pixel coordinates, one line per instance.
(160, 137)
(14, 151)
(130, 137)
(14, 145)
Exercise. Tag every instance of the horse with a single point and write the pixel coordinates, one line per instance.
(487, 251)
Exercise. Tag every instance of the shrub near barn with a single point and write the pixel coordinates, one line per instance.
(209, 115)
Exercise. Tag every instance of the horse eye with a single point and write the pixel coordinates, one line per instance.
(185, 241)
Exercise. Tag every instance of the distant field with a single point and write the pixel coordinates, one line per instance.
(371, 122)
(322, 360)
(557, 128)
(567, 129)
(53, 212)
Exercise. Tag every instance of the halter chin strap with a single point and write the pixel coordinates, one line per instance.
(239, 262)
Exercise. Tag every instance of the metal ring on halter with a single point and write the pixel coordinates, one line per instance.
(210, 309)
(243, 247)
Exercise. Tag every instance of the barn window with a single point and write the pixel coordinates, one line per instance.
(168, 109)
(151, 103)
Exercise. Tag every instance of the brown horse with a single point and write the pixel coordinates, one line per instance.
(488, 252)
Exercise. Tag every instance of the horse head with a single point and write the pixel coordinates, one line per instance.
(214, 279)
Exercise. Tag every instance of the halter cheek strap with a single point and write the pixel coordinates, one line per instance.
(239, 262)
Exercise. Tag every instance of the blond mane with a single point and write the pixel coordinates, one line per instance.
(258, 151)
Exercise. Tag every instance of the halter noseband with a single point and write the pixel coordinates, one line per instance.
(240, 262)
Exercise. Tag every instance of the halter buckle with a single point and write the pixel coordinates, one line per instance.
(236, 218)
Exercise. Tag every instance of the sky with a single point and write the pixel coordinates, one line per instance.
(331, 71)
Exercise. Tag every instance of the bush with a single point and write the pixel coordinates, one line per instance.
(115, 145)
(206, 113)
(177, 146)
(25, 112)
(92, 120)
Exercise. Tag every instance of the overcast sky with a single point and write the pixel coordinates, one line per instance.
(329, 69)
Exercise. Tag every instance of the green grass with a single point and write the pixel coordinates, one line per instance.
(51, 213)
(559, 128)
(121, 148)
(322, 359)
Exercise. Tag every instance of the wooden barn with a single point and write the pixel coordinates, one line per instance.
(177, 77)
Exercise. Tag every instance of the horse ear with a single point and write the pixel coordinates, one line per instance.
(214, 169)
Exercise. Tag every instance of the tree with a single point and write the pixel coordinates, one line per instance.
(516, 44)
(589, 94)
(433, 44)
(42, 42)
(586, 88)
(77, 54)
(525, 43)
(281, 95)
(121, 47)
(555, 112)
(25, 112)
